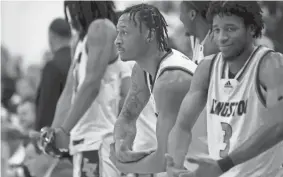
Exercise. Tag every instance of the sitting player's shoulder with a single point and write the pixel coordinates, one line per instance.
(172, 81)
(271, 61)
(101, 32)
(102, 26)
(270, 66)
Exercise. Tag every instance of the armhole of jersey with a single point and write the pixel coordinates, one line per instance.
(211, 67)
(258, 85)
(175, 68)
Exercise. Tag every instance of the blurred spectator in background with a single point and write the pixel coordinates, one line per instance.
(15, 138)
(24, 91)
(8, 83)
(26, 115)
(54, 73)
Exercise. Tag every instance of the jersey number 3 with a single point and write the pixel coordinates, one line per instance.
(228, 134)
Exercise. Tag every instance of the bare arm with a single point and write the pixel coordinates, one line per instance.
(271, 76)
(192, 105)
(126, 71)
(124, 89)
(101, 35)
(137, 98)
(169, 92)
(64, 102)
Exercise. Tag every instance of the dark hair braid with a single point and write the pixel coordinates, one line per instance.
(83, 13)
(151, 17)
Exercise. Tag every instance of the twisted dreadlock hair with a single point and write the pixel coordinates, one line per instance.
(249, 11)
(84, 12)
(152, 19)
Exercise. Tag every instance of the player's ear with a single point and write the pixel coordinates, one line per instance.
(150, 35)
(192, 14)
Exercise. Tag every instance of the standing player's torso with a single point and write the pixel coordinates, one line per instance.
(234, 110)
(99, 119)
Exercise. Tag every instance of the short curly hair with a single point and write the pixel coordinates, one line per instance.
(249, 11)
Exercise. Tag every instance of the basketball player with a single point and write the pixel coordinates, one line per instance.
(193, 17)
(242, 89)
(98, 84)
(160, 74)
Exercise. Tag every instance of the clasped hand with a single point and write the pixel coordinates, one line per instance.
(120, 151)
(206, 168)
(51, 140)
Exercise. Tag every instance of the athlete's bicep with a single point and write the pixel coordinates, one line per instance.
(69, 81)
(137, 98)
(271, 77)
(64, 102)
(124, 89)
(196, 98)
(170, 90)
(125, 75)
(99, 47)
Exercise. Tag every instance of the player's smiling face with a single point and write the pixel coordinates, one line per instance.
(230, 34)
(130, 41)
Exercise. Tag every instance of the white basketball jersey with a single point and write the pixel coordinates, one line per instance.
(173, 60)
(198, 48)
(234, 110)
(98, 121)
(146, 125)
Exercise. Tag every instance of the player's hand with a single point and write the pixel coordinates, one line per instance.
(173, 171)
(61, 139)
(122, 167)
(46, 134)
(119, 165)
(206, 167)
(124, 154)
(52, 141)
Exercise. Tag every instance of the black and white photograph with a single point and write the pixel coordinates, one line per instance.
(145, 88)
